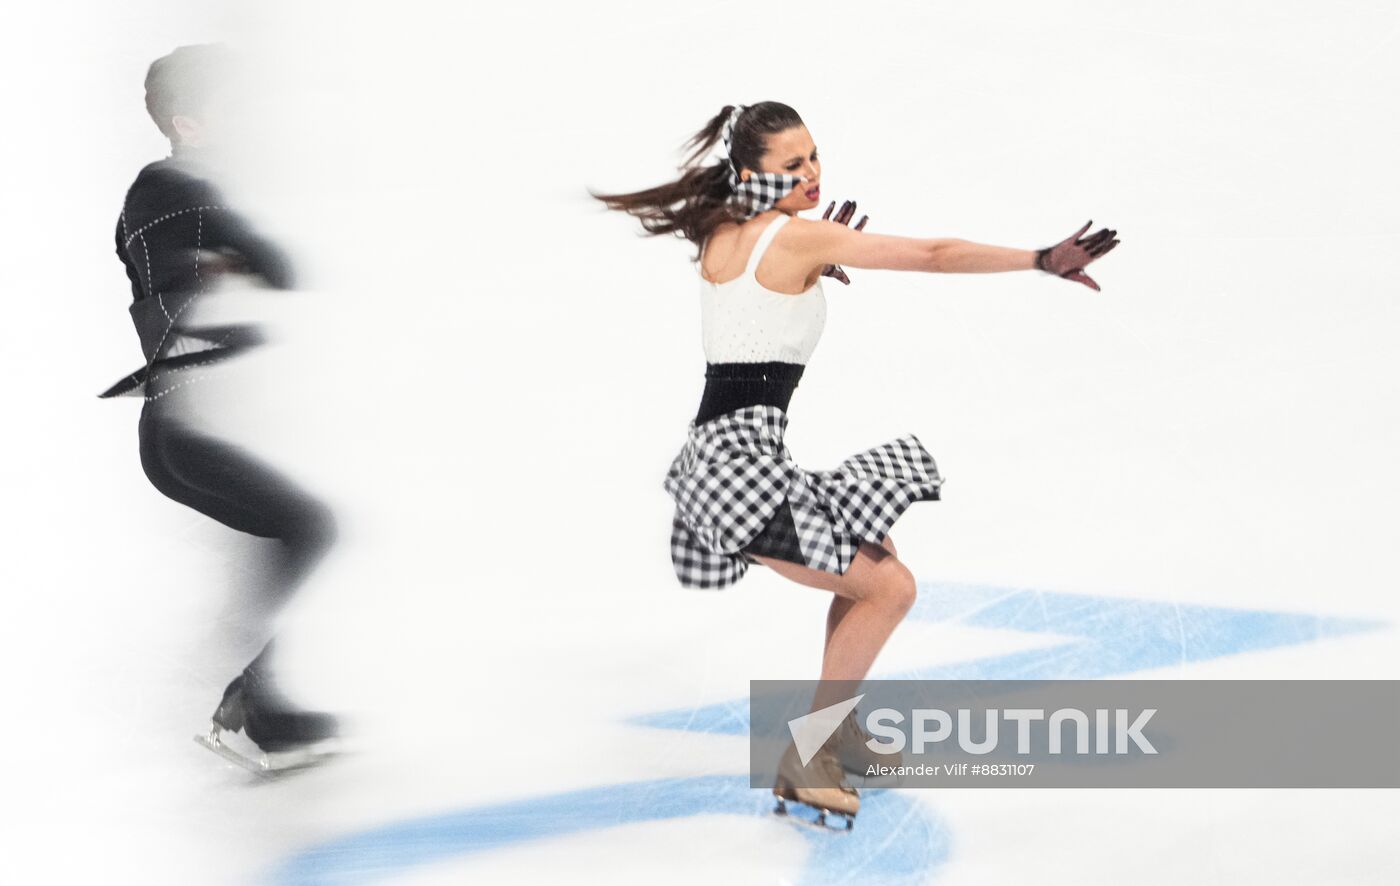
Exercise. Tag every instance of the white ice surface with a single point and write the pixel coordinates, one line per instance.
(490, 375)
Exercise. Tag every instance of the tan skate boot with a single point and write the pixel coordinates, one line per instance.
(855, 755)
(829, 791)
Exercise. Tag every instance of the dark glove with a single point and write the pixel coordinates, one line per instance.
(848, 209)
(1070, 256)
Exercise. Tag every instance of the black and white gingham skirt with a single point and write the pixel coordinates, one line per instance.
(737, 491)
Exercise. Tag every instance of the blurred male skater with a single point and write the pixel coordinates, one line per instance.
(177, 237)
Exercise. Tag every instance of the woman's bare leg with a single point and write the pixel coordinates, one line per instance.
(841, 605)
(881, 591)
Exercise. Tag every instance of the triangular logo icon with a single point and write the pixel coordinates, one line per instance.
(810, 732)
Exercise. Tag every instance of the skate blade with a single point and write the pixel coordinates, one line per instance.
(825, 820)
(270, 764)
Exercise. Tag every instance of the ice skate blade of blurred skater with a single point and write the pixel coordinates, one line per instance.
(243, 752)
(257, 729)
(832, 796)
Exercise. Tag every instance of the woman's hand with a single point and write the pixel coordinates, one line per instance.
(1070, 256)
(848, 209)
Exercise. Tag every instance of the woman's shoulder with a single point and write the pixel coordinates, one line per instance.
(730, 238)
(805, 235)
(751, 229)
(800, 226)
(794, 231)
(731, 227)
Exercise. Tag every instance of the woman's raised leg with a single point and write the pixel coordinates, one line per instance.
(879, 589)
(841, 605)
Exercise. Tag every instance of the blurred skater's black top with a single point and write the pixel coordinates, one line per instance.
(175, 236)
(731, 386)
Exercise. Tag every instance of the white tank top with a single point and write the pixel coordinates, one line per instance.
(742, 321)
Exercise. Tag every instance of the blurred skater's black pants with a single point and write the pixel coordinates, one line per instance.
(225, 483)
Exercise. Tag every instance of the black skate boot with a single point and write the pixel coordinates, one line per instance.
(274, 723)
(286, 737)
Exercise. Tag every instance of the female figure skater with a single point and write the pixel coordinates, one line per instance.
(740, 499)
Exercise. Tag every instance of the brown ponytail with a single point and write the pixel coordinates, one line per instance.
(695, 204)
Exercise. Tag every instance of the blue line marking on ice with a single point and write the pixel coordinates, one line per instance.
(394, 848)
(898, 840)
(1107, 636)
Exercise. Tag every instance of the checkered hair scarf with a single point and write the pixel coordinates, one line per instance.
(763, 189)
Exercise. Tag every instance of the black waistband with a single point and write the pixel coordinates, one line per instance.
(731, 386)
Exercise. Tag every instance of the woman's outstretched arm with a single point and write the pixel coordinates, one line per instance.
(965, 257)
(826, 242)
